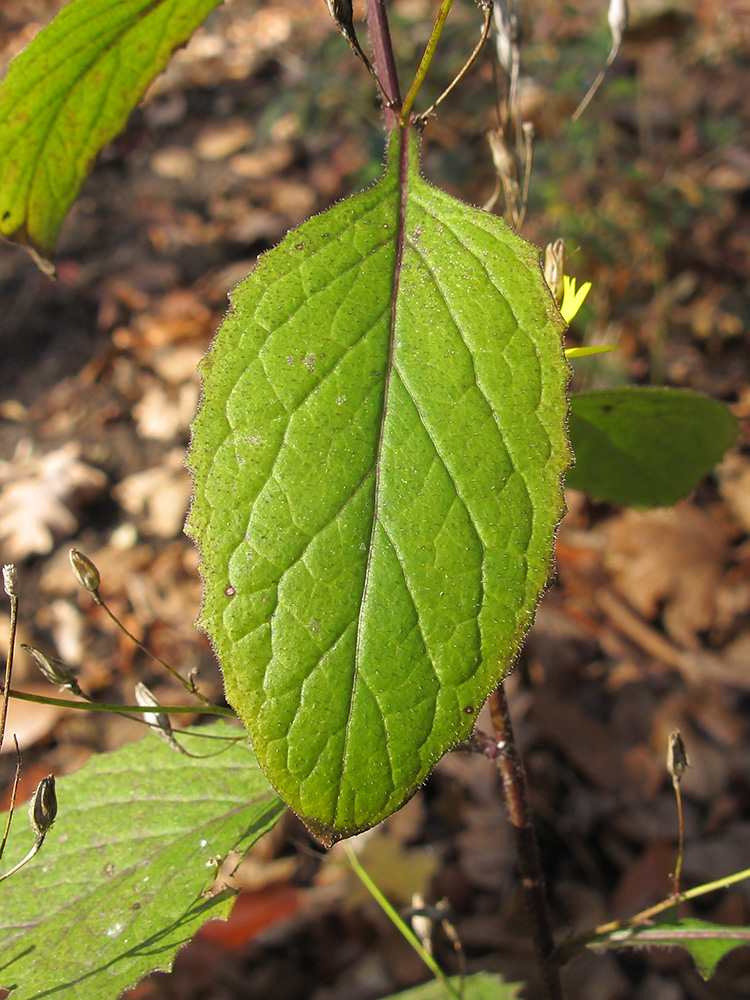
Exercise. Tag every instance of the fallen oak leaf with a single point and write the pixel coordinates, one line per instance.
(40, 497)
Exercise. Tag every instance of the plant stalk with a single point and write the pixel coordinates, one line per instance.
(604, 931)
(424, 65)
(10, 587)
(529, 867)
(91, 706)
(384, 60)
(401, 924)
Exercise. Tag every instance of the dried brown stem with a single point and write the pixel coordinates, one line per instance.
(532, 880)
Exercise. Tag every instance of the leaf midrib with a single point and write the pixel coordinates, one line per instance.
(403, 168)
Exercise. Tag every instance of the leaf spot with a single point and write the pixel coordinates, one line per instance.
(228, 592)
(309, 362)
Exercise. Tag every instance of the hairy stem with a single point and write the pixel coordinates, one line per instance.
(532, 880)
(383, 58)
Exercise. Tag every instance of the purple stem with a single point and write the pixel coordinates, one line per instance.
(383, 59)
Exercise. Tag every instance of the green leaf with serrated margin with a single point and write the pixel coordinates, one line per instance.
(706, 942)
(645, 447)
(69, 92)
(116, 888)
(482, 986)
(377, 464)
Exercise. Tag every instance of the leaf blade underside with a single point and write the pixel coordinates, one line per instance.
(71, 91)
(377, 465)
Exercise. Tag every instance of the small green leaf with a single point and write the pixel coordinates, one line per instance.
(69, 93)
(116, 888)
(645, 447)
(707, 943)
(482, 986)
(377, 465)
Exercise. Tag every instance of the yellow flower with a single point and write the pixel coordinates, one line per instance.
(573, 298)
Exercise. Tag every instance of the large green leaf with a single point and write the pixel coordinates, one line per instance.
(482, 986)
(377, 465)
(116, 888)
(706, 942)
(645, 447)
(69, 93)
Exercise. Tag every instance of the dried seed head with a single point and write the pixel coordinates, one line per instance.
(507, 34)
(10, 580)
(504, 159)
(420, 922)
(677, 758)
(343, 16)
(617, 16)
(85, 572)
(554, 267)
(43, 807)
(54, 670)
(159, 720)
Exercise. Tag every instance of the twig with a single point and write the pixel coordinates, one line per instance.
(532, 879)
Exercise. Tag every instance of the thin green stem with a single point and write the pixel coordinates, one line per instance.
(467, 65)
(424, 65)
(399, 922)
(188, 685)
(94, 707)
(606, 930)
(37, 844)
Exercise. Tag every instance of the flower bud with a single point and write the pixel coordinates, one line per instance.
(159, 720)
(677, 758)
(54, 670)
(43, 807)
(85, 572)
(554, 268)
